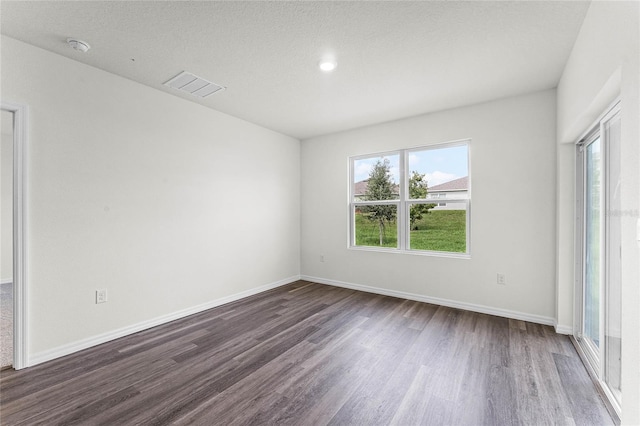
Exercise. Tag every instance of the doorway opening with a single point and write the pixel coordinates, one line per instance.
(14, 123)
(6, 239)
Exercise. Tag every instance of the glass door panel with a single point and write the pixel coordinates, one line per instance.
(592, 255)
(613, 300)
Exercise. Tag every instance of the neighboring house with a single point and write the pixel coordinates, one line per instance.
(454, 189)
(360, 189)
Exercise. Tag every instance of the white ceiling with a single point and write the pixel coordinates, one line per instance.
(395, 59)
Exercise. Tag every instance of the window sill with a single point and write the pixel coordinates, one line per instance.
(412, 252)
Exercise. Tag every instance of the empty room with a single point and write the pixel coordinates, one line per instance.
(320, 212)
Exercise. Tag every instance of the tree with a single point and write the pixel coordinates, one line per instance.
(418, 191)
(380, 187)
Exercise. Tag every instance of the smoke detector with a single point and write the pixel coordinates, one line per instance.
(79, 45)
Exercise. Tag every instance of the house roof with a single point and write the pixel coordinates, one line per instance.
(361, 188)
(460, 184)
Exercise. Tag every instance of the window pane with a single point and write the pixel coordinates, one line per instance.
(438, 227)
(376, 178)
(439, 173)
(376, 226)
(592, 243)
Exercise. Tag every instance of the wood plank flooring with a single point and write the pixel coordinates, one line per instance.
(312, 354)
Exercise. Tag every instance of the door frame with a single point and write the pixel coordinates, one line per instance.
(590, 350)
(594, 358)
(20, 287)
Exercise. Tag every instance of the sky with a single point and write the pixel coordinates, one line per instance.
(438, 165)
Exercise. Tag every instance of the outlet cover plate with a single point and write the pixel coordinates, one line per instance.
(101, 295)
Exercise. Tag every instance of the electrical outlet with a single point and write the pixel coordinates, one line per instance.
(101, 295)
(501, 279)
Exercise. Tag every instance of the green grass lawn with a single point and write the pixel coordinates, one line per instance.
(439, 230)
(368, 233)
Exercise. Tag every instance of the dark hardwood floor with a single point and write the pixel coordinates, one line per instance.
(314, 354)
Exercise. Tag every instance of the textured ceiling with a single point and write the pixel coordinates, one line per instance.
(395, 59)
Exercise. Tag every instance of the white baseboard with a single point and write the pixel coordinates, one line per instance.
(6, 280)
(70, 348)
(73, 347)
(564, 329)
(538, 319)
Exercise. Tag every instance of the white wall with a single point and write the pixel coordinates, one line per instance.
(6, 199)
(512, 152)
(603, 65)
(165, 203)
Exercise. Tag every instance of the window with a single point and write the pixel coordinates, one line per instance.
(412, 200)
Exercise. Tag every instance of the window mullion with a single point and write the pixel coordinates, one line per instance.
(375, 203)
(402, 211)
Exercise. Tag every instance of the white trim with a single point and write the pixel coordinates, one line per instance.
(20, 187)
(6, 280)
(402, 223)
(563, 329)
(505, 313)
(432, 253)
(579, 250)
(382, 154)
(378, 202)
(135, 328)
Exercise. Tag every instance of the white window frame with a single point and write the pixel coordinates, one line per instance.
(404, 202)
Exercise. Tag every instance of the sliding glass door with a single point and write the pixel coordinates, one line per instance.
(592, 259)
(598, 285)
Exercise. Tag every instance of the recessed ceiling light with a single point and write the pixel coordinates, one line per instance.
(328, 65)
(79, 45)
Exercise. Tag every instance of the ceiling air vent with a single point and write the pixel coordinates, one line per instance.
(193, 84)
